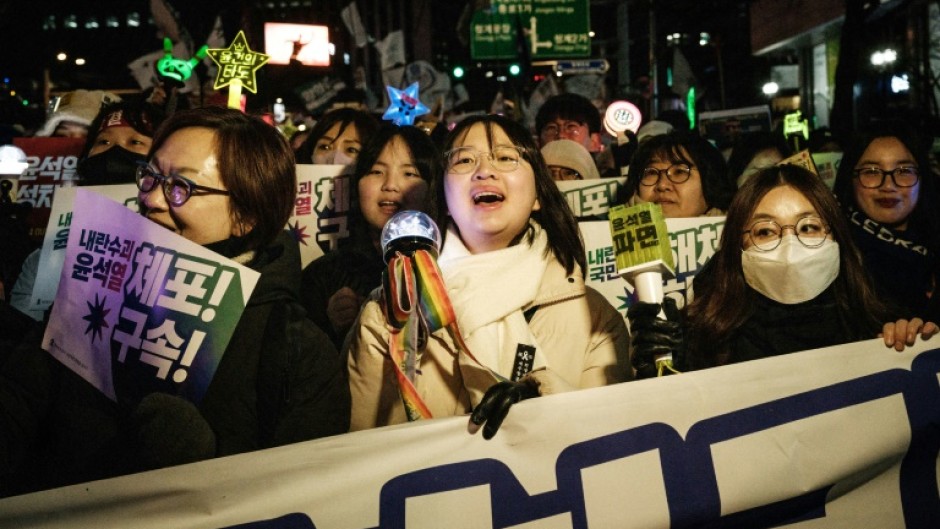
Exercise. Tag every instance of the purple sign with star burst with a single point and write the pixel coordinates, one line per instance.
(141, 309)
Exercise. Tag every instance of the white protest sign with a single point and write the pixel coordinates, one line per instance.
(590, 198)
(321, 209)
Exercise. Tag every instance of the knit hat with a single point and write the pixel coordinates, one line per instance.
(80, 106)
(652, 128)
(570, 154)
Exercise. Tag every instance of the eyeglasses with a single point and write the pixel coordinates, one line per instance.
(766, 234)
(676, 173)
(176, 189)
(874, 177)
(465, 160)
(564, 173)
(553, 131)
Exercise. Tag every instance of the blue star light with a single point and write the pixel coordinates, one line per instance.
(405, 105)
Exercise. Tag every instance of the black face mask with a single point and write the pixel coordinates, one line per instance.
(114, 166)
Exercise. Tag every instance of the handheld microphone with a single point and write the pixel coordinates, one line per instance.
(642, 249)
(408, 231)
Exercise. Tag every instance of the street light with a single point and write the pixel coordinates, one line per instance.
(770, 88)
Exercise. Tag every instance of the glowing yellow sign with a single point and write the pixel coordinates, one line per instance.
(237, 65)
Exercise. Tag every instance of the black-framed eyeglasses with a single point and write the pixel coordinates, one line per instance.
(874, 177)
(553, 131)
(560, 173)
(465, 160)
(176, 188)
(676, 173)
(766, 235)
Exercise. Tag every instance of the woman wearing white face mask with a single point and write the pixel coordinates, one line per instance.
(787, 278)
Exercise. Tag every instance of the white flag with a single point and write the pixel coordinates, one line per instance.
(682, 76)
(350, 16)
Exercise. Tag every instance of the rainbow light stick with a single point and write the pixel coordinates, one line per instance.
(237, 66)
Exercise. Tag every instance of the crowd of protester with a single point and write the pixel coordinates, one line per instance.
(316, 352)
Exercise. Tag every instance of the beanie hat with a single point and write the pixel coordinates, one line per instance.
(80, 106)
(570, 154)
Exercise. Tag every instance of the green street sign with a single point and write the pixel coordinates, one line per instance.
(550, 29)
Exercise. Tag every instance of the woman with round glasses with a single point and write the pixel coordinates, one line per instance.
(226, 181)
(513, 264)
(787, 278)
(889, 193)
(683, 173)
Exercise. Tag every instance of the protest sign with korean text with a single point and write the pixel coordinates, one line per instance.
(57, 234)
(693, 242)
(52, 165)
(590, 198)
(321, 209)
(139, 308)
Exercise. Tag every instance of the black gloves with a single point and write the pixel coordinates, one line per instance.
(171, 431)
(653, 337)
(497, 401)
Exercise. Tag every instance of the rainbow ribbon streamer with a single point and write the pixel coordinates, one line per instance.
(416, 300)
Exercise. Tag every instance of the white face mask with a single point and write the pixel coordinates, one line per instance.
(791, 273)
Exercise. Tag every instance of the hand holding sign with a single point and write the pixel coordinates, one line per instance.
(644, 256)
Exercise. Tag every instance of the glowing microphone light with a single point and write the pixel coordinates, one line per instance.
(408, 231)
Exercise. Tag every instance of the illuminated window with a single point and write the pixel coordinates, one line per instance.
(112, 22)
(49, 23)
(92, 23)
(133, 20)
(70, 21)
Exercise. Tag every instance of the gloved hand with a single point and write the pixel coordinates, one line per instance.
(653, 337)
(496, 403)
(342, 309)
(171, 431)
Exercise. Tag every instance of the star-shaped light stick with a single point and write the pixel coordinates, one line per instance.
(237, 66)
(405, 105)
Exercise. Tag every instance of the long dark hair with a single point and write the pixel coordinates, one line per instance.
(256, 165)
(554, 215)
(925, 215)
(364, 123)
(425, 156)
(724, 301)
(717, 188)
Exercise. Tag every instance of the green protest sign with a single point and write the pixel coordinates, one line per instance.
(550, 29)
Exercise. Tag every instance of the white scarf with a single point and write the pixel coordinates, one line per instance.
(489, 292)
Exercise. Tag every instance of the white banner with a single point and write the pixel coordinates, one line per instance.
(844, 437)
